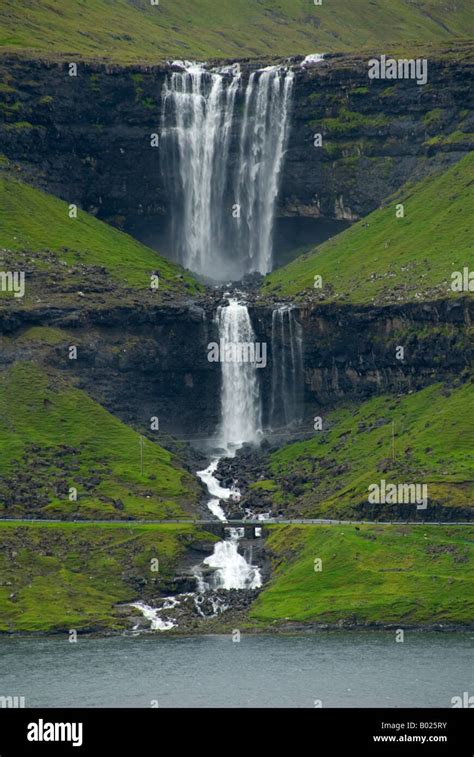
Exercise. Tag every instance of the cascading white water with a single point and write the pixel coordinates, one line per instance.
(223, 210)
(240, 424)
(241, 421)
(241, 417)
(216, 491)
(232, 571)
(287, 368)
(153, 614)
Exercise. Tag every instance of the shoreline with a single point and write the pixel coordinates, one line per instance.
(290, 629)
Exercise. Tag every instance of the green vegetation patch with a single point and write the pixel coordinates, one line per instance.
(128, 32)
(385, 258)
(54, 438)
(59, 577)
(349, 122)
(63, 253)
(454, 138)
(44, 335)
(425, 437)
(408, 575)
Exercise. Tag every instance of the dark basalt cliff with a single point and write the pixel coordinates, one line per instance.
(139, 363)
(149, 362)
(87, 138)
(376, 135)
(350, 352)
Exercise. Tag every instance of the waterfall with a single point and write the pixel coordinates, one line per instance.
(241, 421)
(232, 569)
(223, 210)
(153, 614)
(216, 491)
(241, 418)
(287, 368)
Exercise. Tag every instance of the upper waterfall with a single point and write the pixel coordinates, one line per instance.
(223, 175)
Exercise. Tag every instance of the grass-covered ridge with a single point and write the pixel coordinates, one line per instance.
(59, 577)
(53, 437)
(384, 258)
(129, 31)
(432, 443)
(370, 575)
(64, 254)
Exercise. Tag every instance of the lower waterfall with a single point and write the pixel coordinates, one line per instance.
(241, 422)
(241, 414)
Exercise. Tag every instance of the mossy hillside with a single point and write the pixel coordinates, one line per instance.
(53, 437)
(384, 258)
(128, 32)
(40, 339)
(430, 442)
(354, 131)
(58, 577)
(350, 122)
(457, 137)
(44, 335)
(371, 575)
(62, 256)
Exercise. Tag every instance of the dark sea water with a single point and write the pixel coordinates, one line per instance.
(340, 669)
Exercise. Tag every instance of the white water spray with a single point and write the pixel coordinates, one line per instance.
(240, 424)
(216, 491)
(198, 111)
(313, 59)
(153, 615)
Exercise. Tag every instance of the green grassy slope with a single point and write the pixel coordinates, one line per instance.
(127, 31)
(53, 437)
(408, 575)
(383, 258)
(70, 576)
(329, 475)
(63, 255)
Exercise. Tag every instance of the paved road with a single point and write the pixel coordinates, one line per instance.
(271, 522)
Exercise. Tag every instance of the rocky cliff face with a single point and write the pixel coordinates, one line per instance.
(153, 362)
(376, 134)
(86, 138)
(140, 364)
(350, 352)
